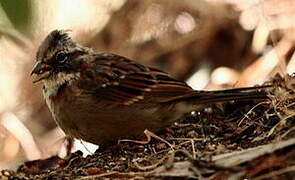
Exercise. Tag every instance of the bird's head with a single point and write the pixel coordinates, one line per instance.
(58, 55)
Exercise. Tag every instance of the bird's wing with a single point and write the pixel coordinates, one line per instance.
(120, 80)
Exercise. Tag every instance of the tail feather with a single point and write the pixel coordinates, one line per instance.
(227, 96)
(239, 94)
(242, 89)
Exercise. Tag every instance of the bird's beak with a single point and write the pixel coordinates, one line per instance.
(37, 68)
(41, 71)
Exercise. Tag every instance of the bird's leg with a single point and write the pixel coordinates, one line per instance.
(69, 145)
(149, 135)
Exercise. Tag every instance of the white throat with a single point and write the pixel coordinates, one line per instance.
(51, 86)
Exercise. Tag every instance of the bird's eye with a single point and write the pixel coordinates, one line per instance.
(61, 57)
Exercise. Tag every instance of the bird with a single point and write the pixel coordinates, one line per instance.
(103, 97)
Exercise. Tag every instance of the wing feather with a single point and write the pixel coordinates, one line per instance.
(119, 80)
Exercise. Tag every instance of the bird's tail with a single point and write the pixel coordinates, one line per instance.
(239, 94)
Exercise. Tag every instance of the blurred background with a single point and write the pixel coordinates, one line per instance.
(211, 44)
